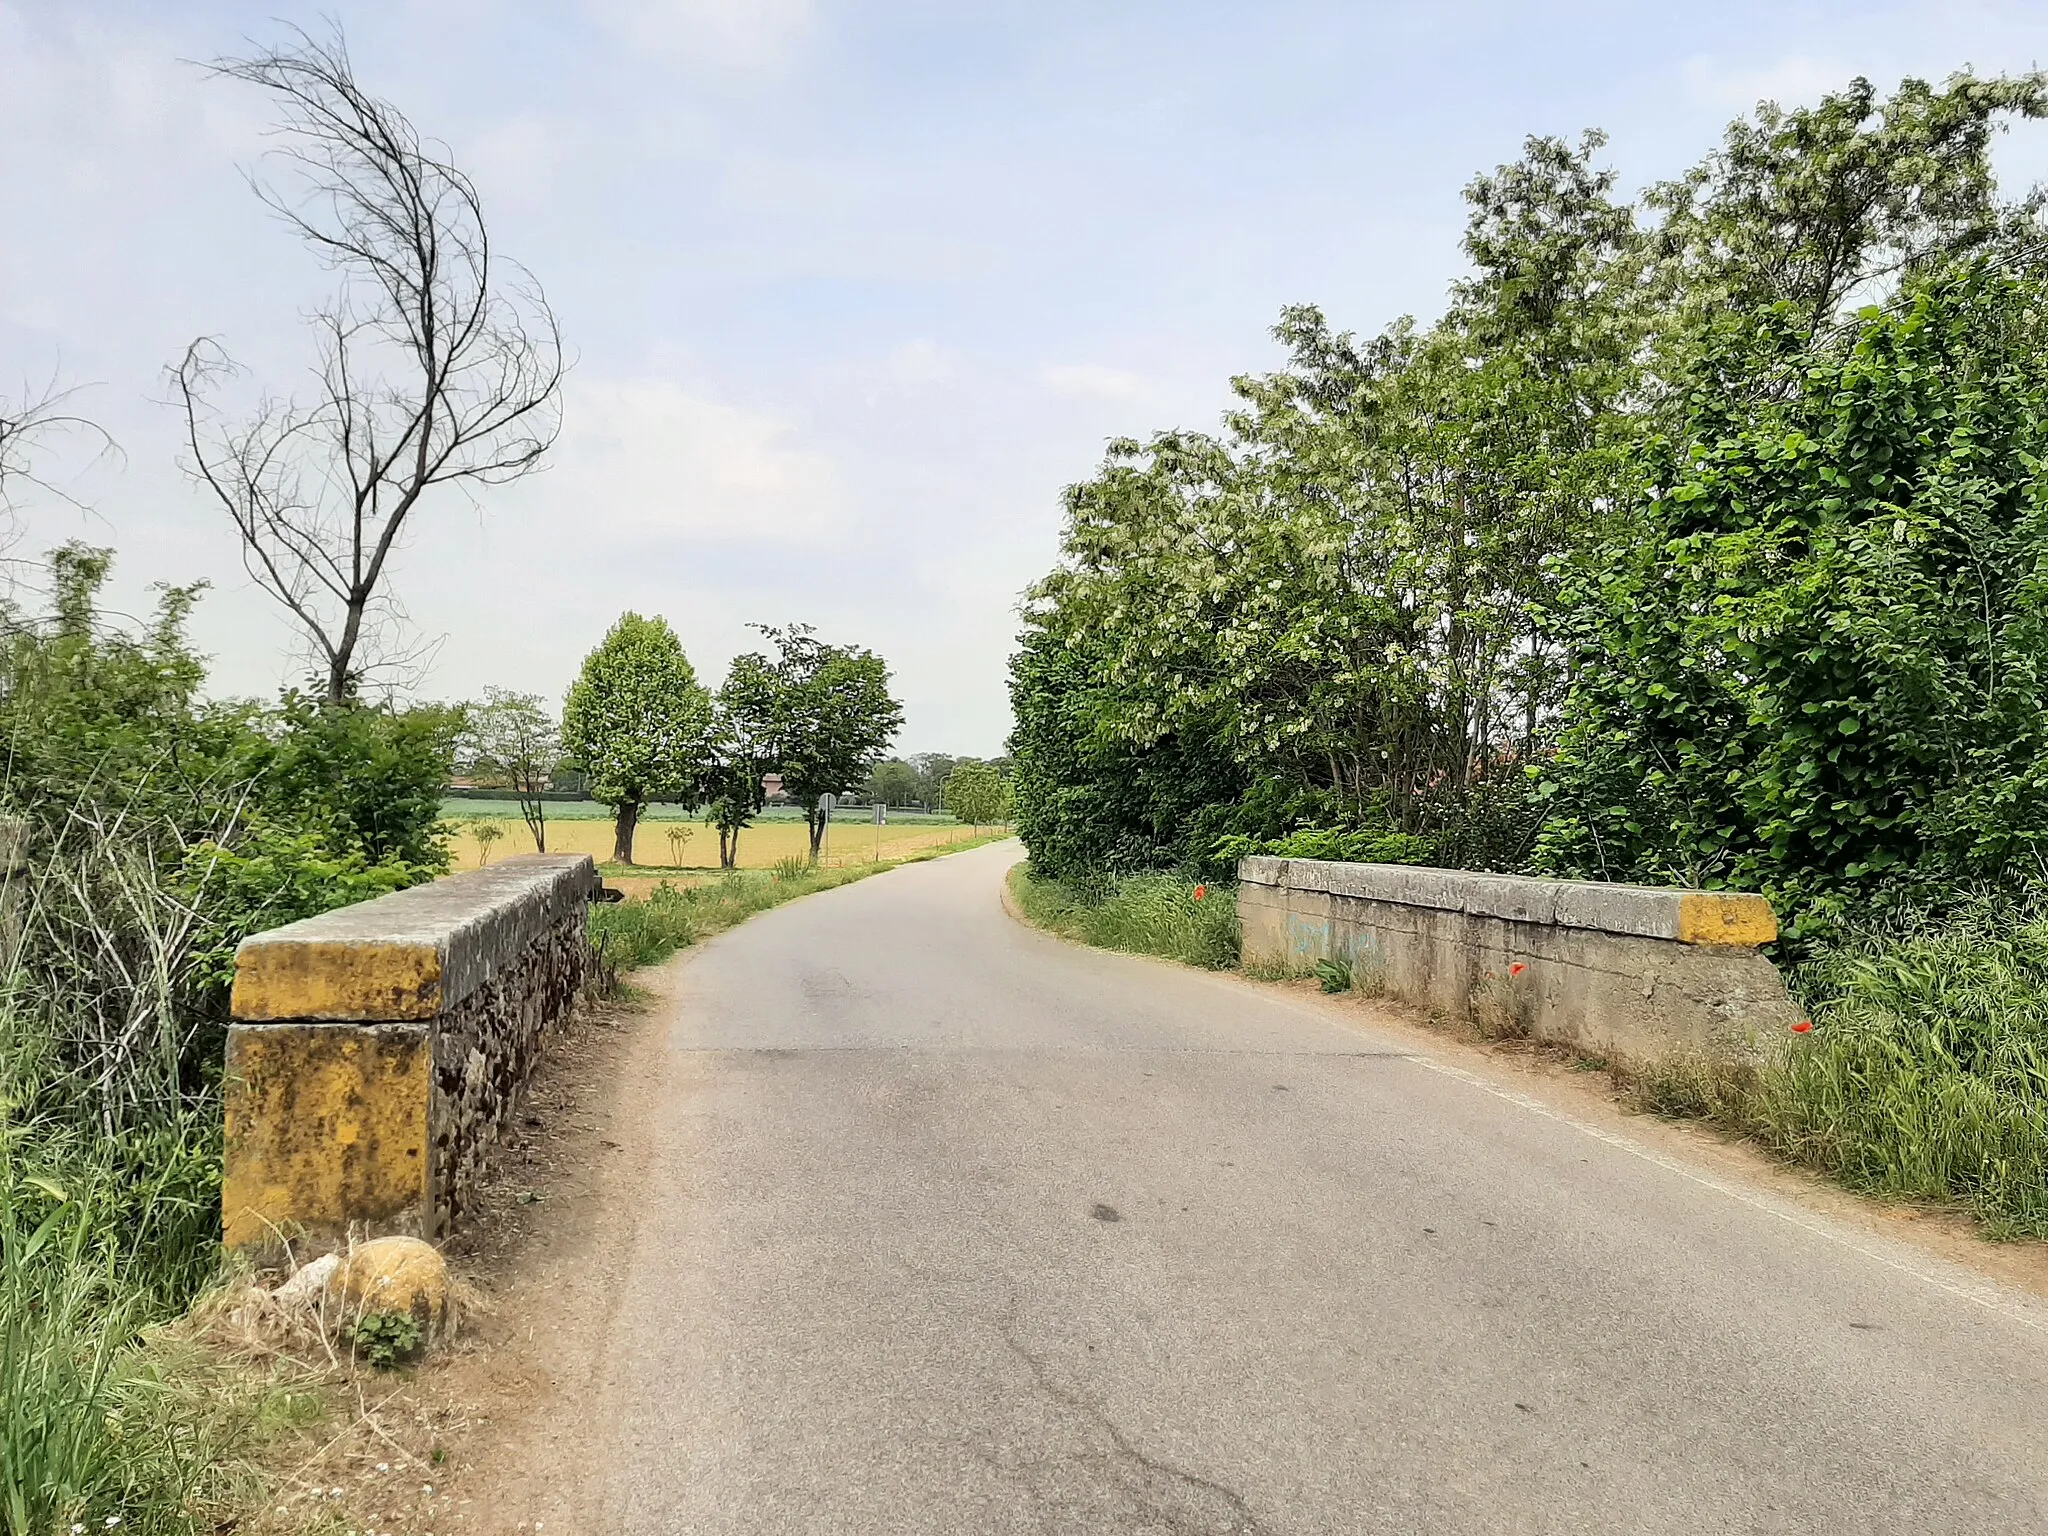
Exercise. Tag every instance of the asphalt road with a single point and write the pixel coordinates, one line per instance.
(952, 1227)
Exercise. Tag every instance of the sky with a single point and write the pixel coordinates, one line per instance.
(852, 288)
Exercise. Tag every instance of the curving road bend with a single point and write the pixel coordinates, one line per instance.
(951, 1227)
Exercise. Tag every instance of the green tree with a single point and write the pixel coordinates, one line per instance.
(932, 768)
(820, 715)
(1345, 595)
(511, 739)
(1839, 202)
(895, 783)
(732, 798)
(977, 794)
(638, 723)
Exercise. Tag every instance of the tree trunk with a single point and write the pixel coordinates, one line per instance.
(731, 857)
(622, 836)
(816, 818)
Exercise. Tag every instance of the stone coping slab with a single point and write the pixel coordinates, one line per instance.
(1732, 918)
(413, 954)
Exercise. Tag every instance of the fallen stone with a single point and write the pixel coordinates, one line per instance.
(398, 1274)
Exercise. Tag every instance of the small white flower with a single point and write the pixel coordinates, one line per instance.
(383, 1466)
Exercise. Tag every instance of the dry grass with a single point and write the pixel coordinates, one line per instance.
(761, 845)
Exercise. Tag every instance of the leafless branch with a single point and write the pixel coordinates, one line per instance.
(438, 361)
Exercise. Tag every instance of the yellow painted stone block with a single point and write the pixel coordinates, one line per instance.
(1726, 917)
(326, 1125)
(339, 979)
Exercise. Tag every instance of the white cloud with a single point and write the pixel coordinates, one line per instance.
(747, 34)
(1800, 80)
(647, 458)
(1091, 380)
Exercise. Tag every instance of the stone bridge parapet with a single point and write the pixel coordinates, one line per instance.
(377, 1051)
(1626, 973)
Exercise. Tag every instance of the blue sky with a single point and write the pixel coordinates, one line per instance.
(853, 289)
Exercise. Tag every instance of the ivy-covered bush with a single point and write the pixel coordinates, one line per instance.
(1815, 666)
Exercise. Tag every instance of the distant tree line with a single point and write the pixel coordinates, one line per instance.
(919, 780)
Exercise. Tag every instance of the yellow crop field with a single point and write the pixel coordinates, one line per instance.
(760, 845)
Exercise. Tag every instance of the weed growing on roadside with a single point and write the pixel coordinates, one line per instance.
(1334, 975)
(386, 1339)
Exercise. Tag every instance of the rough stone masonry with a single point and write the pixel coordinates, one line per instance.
(377, 1051)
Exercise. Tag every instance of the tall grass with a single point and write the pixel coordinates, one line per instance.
(79, 1440)
(109, 1200)
(1925, 1075)
(1163, 915)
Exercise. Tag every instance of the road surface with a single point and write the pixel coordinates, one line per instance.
(948, 1226)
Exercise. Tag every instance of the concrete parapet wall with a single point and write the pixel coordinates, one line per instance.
(378, 1051)
(1624, 972)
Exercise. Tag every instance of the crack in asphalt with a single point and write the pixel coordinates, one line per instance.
(1157, 1507)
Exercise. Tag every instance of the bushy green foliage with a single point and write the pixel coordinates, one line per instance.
(1087, 802)
(1337, 843)
(1815, 666)
(1361, 607)
(978, 794)
(365, 779)
(1160, 915)
(637, 721)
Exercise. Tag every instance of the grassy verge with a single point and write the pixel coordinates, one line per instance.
(672, 917)
(116, 1412)
(1924, 1076)
(1160, 915)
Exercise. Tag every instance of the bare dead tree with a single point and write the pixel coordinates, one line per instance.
(439, 361)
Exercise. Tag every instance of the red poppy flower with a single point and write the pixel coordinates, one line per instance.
(1517, 968)
(1201, 891)
(1803, 1027)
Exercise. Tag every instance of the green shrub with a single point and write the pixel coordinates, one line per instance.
(1334, 975)
(368, 779)
(1354, 846)
(386, 1339)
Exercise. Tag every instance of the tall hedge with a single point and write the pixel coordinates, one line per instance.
(1815, 666)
